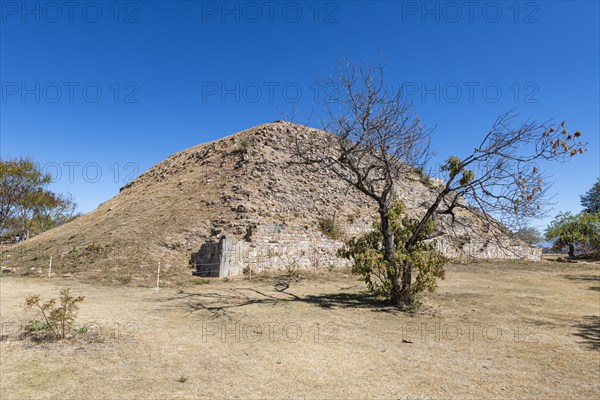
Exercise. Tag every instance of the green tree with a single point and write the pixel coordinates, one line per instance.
(572, 230)
(20, 179)
(369, 256)
(27, 206)
(530, 235)
(376, 140)
(591, 199)
(43, 210)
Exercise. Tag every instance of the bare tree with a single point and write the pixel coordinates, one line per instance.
(377, 139)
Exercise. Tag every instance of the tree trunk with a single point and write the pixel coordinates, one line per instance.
(571, 250)
(396, 297)
(406, 290)
(400, 294)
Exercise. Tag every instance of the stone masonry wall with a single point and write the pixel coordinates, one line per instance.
(488, 249)
(272, 246)
(275, 246)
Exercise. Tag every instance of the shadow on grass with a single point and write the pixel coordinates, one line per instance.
(583, 278)
(589, 331)
(218, 303)
(349, 300)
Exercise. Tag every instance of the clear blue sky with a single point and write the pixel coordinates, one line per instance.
(94, 87)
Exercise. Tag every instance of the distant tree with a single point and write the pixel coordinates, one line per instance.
(20, 179)
(530, 235)
(377, 139)
(591, 199)
(26, 204)
(43, 210)
(572, 230)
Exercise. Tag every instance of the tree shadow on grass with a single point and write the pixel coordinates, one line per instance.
(584, 278)
(218, 303)
(349, 300)
(589, 331)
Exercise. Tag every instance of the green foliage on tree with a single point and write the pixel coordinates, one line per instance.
(572, 230)
(27, 206)
(377, 140)
(368, 254)
(591, 199)
(19, 180)
(530, 235)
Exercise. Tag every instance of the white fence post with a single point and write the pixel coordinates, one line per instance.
(158, 277)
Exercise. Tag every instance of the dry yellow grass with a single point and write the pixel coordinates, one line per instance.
(491, 331)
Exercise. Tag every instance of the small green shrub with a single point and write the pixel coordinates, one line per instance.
(461, 240)
(36, 326)
(183, 379)
(74, 252)
(330, 228)
(245, 144)
(124, 279)
(201, 281)
(352, 218)
(95, 248)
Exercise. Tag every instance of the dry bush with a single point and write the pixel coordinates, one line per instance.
(58, 319)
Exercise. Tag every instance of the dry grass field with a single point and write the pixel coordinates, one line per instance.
(492, 330)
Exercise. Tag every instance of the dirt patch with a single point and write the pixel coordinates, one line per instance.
(504, 330)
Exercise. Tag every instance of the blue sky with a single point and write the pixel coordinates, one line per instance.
(98, 92)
